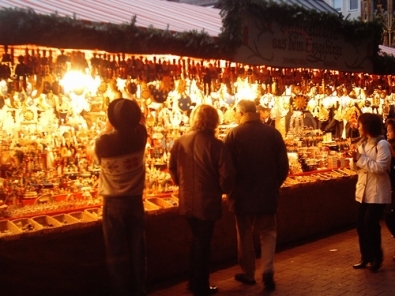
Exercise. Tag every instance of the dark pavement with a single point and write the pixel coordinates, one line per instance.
(318, 267)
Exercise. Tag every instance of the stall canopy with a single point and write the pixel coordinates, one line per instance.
(267, 39)
(176, 17)
(163, 15)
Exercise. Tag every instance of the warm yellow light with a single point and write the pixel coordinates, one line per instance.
(92, 84)
(78, 82)
(72, 80)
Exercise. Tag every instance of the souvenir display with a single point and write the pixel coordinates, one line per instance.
(53, 103)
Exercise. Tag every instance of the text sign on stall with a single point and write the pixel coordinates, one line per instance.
(298, 46)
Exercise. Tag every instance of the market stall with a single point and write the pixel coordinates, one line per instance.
(53, 102)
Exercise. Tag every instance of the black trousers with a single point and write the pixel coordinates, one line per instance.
(389, 215)
(199, 260)
(369, 231)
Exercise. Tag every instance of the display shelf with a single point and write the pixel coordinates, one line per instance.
(85, 218)
(9, 231)
(52, 213)
(28, 226)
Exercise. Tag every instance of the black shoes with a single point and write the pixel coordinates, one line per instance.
(211, 290)
(361, 264)
(268, 281)
(242, 278)
(374, 266)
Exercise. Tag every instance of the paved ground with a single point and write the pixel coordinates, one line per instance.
(319, 267)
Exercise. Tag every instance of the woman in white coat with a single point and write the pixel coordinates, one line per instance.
(373, 190)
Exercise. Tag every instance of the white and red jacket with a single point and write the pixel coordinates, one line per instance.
(121, 157)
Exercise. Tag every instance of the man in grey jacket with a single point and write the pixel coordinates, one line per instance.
(261, 162)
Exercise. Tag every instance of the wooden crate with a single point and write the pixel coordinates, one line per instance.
(84, 218)
(28, 226)
(9, 231)
(49, 224)
(66, 221)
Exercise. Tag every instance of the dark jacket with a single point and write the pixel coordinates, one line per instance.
(201, 166)
(351, 131)
(392, 170)
(261, 162)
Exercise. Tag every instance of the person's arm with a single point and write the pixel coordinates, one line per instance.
(173, 164)
(229, 142)
(382, 162)
(108, 128)
(226, 170)
(91, 147)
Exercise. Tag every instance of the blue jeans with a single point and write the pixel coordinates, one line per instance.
(123, 229)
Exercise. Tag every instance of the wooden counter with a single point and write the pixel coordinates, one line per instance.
(73, 262)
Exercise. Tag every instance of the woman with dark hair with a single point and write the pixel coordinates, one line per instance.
(373, 191)
(390, 129)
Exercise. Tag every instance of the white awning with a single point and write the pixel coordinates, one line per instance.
(158, 14)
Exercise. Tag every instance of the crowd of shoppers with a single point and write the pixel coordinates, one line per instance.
(249, 166)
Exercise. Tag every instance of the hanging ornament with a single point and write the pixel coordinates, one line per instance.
(184, 103)
(299, 102)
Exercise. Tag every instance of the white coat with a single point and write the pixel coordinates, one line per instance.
(374, 185)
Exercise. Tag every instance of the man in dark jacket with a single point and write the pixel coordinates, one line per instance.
(201, 165)
(261, 163)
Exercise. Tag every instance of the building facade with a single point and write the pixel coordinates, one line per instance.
(382, 10)
(350, 9)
